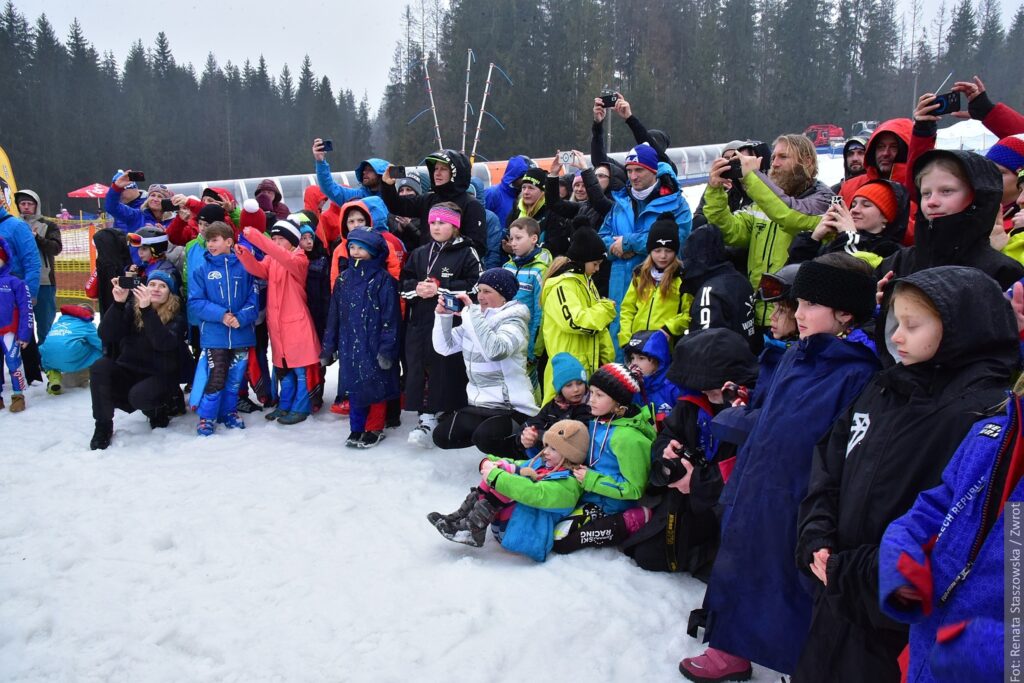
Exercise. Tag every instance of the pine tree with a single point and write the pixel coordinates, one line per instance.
(962, 40)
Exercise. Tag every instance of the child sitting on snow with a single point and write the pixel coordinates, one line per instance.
(525, 498)
(71, 347)
(569, 403)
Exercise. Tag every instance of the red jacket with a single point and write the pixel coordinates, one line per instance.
(181, 233)
(328, 229)
(293, 339)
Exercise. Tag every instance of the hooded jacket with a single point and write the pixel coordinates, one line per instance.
(362, 327)
(631, 220)
(318, 285)
(901, 128)
(961, 239)
(47, 236)
(275, 205)
(530, 271)
(954, 543)
(495, 256)
(15, 303)
(576, 321)
(721, 297)
(767, 227)
(376, 220)
(619, 460)
(340, 194)
(847, 173)
(293, 339)
(877, 246)
(764, 616)
(328, 227)
(22, 253)
(890, 445)
(73, 344)
(493, 344)
(473, 223)
(501, 198)
(220, 284)
(658, 391)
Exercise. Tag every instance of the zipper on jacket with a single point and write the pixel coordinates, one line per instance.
(986, 509)
(227, 288)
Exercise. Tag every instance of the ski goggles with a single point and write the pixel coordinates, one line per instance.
(772, 288)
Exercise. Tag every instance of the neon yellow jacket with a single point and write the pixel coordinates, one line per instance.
(576, 321)
(654, 310)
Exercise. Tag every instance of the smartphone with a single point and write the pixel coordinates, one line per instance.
(167, 205)
(566, 158)
(129, 282)
(451, 302)
(948, 103)
(137, 176)
(735, 171)
(327, 146)
(608, 99)
(397, 172)
(836, 200)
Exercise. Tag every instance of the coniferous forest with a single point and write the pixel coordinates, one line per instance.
(703, 70)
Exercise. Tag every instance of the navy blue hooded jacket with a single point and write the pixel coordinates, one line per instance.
(658, 389)
(362, 325)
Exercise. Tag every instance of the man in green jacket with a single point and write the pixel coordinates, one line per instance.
(787, 200)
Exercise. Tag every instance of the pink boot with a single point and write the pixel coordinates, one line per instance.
(715, 666)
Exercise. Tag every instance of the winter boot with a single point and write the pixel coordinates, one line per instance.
(342, 407)
(233, 421)
(17, 403)
(53, 383)
(471, 529)
(159, 418)
(101, 436)
(371, 439)
(715, 666)
(467, 505)
(292, 418)
(176, 405)
(206, 427)
(275, 414)
(353, 440)
(422, 434)
(246, 405)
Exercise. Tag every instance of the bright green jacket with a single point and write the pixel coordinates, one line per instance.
(654, 311)
(576, 321)
(545, 494)
(620, 461)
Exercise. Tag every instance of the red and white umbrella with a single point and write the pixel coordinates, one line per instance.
(94, 191)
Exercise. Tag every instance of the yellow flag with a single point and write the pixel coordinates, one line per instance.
(7, 185)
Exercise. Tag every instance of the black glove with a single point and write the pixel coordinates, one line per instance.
(383, 362)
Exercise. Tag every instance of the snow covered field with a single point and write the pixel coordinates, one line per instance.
(277, 554)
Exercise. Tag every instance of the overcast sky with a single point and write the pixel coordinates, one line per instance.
(349, 41)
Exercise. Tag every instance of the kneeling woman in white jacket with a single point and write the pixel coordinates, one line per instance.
(493, 339)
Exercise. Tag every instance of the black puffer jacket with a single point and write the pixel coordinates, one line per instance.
(474, 220)
(722, 297)
(157, 349)
(884, 244)
(890, 445)
(960, 239)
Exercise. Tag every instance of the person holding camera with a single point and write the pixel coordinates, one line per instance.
(658, 139)
(554, 230)
(493, 341)
(686, 480)
(368, 174)
(121, 206)
(767, 227)
(148, 332)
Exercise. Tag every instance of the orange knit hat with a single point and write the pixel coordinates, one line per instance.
(881, 195)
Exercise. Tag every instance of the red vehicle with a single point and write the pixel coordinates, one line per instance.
(822, 134)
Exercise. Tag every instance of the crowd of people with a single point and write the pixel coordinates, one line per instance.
(801, 395)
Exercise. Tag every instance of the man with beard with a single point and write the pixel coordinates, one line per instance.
(853, 161)
(885, 157)
(787, 200)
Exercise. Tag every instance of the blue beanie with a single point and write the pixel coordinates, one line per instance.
(643, 155)
(566, 369)
(502, 281)
(166, 277)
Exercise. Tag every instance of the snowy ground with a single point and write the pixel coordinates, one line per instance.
(277, 554)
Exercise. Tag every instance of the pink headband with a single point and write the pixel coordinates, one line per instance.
(443, 213)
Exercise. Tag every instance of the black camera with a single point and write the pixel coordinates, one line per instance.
(167, 205)
(129, 282)
(608, 99)
(669, 470)
(735, 171)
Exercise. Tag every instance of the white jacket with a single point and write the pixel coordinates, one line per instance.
(493, 344)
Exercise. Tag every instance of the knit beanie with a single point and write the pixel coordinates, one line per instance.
(500, 280)
(535, 176)
(161, 190)
(410, 182)
(585, 246)
(1008, 152)
(570, 438)
(664, 233)
(643, 155)
(618, 381)
(353, 238)
(252, 216)
(211, 213)
(565, 369)
(881, 195)
(287, 230)
(838, 288)
(168, 278)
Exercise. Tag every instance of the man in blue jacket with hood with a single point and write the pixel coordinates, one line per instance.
(368, 173)
(652, 190)
(501, 198)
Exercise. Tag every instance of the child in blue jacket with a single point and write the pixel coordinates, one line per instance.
(522, 500)
(942, 565)
(15, 328)
(72, 345)
(649, 353)
(362, 331)
(224, 301)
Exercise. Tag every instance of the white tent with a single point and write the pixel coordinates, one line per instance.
(970, 135)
